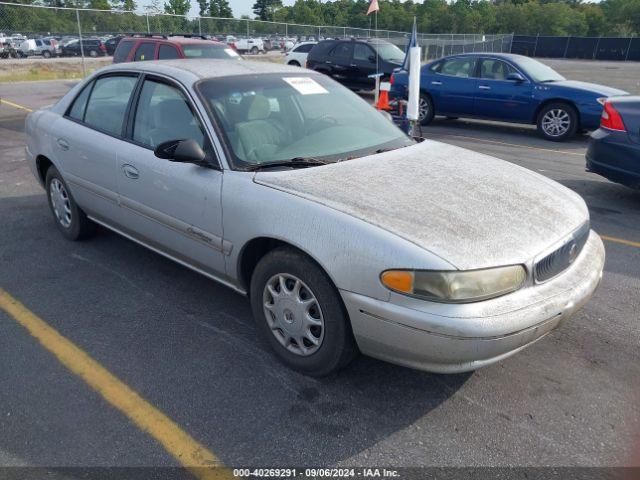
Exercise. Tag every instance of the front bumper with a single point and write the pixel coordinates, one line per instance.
(461, 341)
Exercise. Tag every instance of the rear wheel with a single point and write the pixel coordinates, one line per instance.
(70, 219)
(293, 63)
(557, 122)
(299, 313)
(254, 50)
(93, 53)
(46, 54)
(425, 109)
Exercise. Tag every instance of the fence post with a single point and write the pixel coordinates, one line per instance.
(566, 48)
(535, 47)
(286, 30)
(595, 50)
(247, 28)
(84, 69)
(626, 57)
(148, 28)
(345, 32)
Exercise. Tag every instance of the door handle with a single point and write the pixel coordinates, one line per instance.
(62, 143)
(130, 171)
(435, 82)
(484, 87)
(353, 65)
(327, 61)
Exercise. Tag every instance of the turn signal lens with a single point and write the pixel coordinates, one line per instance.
(398, 280)
(453, 286)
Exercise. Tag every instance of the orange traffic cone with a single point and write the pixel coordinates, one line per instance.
(383, 96)
(383, 100)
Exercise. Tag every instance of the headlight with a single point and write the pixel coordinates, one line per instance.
(453, 286)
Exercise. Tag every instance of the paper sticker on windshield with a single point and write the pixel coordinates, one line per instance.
(231, 52)
(305, 85)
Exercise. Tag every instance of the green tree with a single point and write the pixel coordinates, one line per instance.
(203, 8)
(177, 7)
(265, 9)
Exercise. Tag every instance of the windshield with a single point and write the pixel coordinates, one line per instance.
(539, 72)
(209, 51)
(389, 52)
(279, 117)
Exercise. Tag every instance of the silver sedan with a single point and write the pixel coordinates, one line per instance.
(346, 235)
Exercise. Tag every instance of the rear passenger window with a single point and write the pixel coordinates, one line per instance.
(167, 52)
(458, 67)
(108, 103)
(122, 51)
(144, 52)
(342, 51)
(304, 48)
(79, 104)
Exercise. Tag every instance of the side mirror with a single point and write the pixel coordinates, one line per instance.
(515, 77)
(182, 151)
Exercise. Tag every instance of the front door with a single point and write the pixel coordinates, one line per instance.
(363, 65)
(175, 207)
(499, 98)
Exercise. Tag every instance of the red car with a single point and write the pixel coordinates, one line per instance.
(161, 47)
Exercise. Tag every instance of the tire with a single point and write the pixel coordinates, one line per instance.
(426, 112)
(254, 50)
(93, 53)
(334, 346)
(294, 63)
(557, 121)
(72, 223)
(46, 54)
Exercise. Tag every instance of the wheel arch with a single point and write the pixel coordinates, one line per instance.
(548, 101)
(43, 164)
(256, 248)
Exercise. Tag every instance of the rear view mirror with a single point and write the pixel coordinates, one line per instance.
(516, 77)
(183, 151)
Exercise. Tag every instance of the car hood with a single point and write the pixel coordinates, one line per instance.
(595, 88)
(472, 210)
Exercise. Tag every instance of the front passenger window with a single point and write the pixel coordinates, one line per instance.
(163, 114)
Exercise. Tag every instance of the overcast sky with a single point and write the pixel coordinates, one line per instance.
(239, 7)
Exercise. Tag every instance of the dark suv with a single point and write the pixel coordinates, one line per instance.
(161, 47)
(350, 62)
(91, 47)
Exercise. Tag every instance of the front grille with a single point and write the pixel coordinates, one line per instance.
(559, 260)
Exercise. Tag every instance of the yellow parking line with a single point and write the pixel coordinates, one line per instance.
(620, 240)
(498, 142)
(15, 105)
(186, 450)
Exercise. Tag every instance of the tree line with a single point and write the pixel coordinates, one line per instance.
(527, 17)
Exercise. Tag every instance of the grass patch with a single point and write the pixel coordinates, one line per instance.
(36, 74)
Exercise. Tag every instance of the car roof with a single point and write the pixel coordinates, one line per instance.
(192, 70)
(506, 56)
(178, 39)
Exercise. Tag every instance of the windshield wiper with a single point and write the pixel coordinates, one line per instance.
(294, 162)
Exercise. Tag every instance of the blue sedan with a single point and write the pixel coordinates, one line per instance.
(508, 88)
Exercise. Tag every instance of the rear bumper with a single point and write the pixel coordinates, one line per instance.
(614, 156)
(462, 341)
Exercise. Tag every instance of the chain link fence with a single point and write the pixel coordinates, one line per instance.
(589, 48)
(36, 20)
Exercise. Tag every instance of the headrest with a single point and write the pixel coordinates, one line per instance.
(173, 110)
(259, 108)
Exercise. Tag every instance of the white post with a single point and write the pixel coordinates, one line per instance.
(413, 105)
(148, 28)
(84, 69)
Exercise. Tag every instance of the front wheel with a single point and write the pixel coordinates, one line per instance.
(70, 219)
(300, 314)
(557, 122)
(425, 109)
(254, 50)
(46, 54)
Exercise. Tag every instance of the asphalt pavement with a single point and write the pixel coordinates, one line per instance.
(188, 346)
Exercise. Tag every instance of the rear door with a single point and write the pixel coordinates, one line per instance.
(170, 205)
(145, 51)
(363, 65)
(501, 99)
(339, 63)
(87, 138)
(452, 85)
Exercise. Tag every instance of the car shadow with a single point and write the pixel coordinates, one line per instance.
(189, 346)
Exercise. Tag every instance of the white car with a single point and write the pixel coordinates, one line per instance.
(250, 45)
(297, 56)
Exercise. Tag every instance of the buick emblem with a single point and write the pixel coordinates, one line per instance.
(573, 252)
